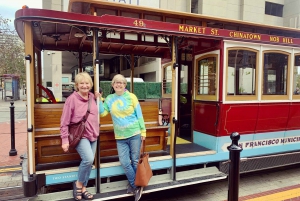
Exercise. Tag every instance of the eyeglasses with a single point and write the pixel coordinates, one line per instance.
(119, 83)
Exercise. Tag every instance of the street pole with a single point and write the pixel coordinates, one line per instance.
(234, 167)
(12, 151)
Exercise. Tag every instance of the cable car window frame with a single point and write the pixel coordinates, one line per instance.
(241, 97)
(166, 83)
(288, 77)
(209, 97)
(296, 96)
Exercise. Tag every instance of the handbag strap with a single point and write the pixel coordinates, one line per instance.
(87, 112)
(142, 151)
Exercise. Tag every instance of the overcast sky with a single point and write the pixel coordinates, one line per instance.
(9, 7)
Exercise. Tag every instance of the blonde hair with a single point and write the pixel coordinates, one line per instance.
(119, 78)
(83, 76)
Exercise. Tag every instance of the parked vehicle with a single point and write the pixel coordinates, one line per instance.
(236, 81)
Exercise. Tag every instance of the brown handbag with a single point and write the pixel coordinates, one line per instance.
(76, 129)
(143, 171)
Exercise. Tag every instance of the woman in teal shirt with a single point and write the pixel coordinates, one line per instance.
(129, 128)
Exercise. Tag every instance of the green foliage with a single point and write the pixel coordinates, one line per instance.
(145, 90)
(11, 51)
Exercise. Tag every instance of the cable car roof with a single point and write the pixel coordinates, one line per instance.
(70, 31)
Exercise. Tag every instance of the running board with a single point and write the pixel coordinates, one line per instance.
(113, 190)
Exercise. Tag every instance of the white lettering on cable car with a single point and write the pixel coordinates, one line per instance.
(265, 142)
(64, 177)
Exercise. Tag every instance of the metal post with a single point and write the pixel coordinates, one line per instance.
(2, 88)
(234, 167)
(12, 151)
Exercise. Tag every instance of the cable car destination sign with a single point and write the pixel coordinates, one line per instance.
(182, 29)
(235, 34)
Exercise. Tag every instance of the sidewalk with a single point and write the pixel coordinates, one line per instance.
(20, 109)
(12, 163)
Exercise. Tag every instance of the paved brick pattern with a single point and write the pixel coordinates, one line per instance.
(10, 180)
(270, 192)
(20, 142)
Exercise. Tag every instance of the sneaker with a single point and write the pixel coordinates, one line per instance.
(138, 193)
(130, 190)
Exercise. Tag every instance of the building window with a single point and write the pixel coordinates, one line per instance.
(273, 9)
(65, 80)
(241, 74)
(194, 6)
(206, 77)
(48, 84)
(114, 65)
(275, 75)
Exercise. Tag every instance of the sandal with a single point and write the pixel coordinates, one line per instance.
(76, 191)
(86, 195)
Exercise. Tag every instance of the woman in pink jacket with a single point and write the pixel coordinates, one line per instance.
(74, 109)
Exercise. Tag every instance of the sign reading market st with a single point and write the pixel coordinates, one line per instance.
(234, 34)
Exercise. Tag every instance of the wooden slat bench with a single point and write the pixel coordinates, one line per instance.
(48, 142)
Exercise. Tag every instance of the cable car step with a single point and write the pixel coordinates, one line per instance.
(113, 190)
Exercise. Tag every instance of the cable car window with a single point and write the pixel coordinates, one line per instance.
(296, 76)
(206, 75)
(241, 72)
(167, 81)
(184, 79)
(275, 73)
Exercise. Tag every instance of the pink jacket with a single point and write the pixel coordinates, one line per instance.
(74, 109)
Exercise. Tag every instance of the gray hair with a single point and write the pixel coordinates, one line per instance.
(119, 78)
(83, 76)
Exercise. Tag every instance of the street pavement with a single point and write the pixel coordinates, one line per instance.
(10, 168)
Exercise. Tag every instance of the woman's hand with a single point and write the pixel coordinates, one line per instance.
(143, 138)
(98, 95)
(65, 147)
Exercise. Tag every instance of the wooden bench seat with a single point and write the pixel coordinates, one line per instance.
(48, 142)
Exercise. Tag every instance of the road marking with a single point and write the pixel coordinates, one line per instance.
(284, 195)
(12, 169)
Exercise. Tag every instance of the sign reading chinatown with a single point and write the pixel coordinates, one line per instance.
(235, 34)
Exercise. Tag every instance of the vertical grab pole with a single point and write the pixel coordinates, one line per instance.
(234, 167)
(175, 101)
(131, 73)
(96, 88)
(29, 108)
(175, 118)
(97, 62)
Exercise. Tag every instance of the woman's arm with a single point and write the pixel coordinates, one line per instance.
(103, 108)
(64, 124)
(139, 115)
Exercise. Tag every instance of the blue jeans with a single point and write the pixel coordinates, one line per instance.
(129, 154)
(86, 150)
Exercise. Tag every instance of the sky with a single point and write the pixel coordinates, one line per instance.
(9, 7)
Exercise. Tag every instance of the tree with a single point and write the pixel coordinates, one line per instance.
(11, 51)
